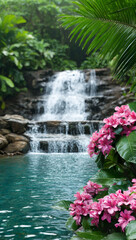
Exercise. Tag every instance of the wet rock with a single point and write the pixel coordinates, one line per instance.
(19, 146)
(11, 138)
(3, 142)
(44, 146)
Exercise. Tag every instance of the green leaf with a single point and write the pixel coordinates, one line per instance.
(3, 105)
(121, 185)
(76, 238)
(126, 147)
(100, 160)
(131, 230)
(62, 205)
(86, 223)
(71, 224)
(111, 160)
(3, 87)
(115, 236)
(92, 235)
(107, 177)
(132, 106)
(118, 130)
(8, 81)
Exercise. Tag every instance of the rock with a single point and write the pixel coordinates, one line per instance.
(17, 123)
(16, 117)
(3, 142)
(18, 146)
(3, 123)
(4, 131)
(17, 126)
(12, 137)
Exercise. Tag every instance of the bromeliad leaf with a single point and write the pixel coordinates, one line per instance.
(126, 147)
(131, 230)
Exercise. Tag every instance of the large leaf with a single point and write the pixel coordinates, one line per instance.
(107, 177)
(132, 106)
(131, 230)
(115, 236)
(107, 26)
(71, 224)
(92, 235)
(121, 185)
(62, 205)
(76, 238)
(126, 147)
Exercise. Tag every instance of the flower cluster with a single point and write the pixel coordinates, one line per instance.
(82, 205)
(102, 141)
(119, 206)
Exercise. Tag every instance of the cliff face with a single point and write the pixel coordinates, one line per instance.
(109, 94)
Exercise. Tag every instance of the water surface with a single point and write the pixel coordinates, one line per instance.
(30, 185)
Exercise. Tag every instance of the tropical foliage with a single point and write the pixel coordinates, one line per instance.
(106, 26)
(94, 61)
(106, 207)
(43, 23)
(19, 50)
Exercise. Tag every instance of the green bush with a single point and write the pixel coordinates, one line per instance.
(94, 61)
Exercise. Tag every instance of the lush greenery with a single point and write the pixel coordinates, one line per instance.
(108, 27)
(19, 50)
(31, 38)
(106, 207)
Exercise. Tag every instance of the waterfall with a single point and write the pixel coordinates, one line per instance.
(62, 127)
(93, 83)
(66, 99)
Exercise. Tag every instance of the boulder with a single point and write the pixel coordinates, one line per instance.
(3, 142)
(16, 123)
(4, 131)
(3, 123)
(12, 137)
(19, 146)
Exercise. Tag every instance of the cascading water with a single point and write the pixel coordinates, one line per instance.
(66, 99)
(63, 126)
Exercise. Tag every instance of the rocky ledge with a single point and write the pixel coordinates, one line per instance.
(12, 138)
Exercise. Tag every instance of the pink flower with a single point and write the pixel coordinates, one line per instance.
(127, 130)
(106, 216)
(110, 205)
(92, 188)
(132, 117)
(123, 109)
(124, 198)
(124, 219)
(82, 196)
(112, 121)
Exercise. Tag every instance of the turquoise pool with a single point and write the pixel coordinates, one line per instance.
(30, 185)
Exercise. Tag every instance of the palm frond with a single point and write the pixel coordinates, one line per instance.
(107, 26)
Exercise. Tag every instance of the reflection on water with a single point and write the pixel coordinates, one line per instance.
(29, 187)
